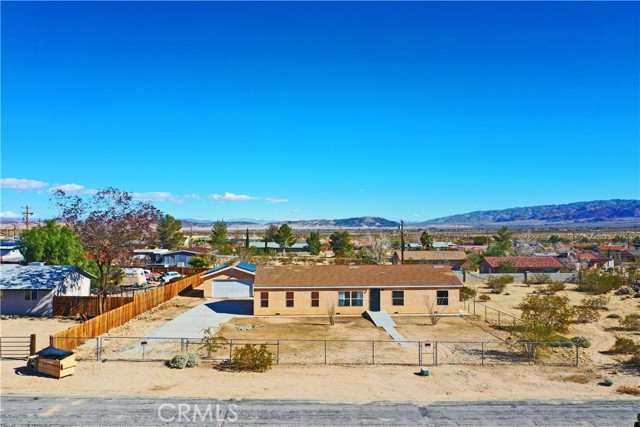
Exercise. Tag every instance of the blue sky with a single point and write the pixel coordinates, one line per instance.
(321, 110)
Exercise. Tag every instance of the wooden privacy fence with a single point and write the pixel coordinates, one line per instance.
(79, 334)
(17, 347)
(187, 271)
(72, 306)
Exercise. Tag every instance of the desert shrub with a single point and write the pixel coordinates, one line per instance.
(553, 287)
(484, 297)
(582, 342)
(624, 346)
(631, 322)
(613, 316)
(467, 292)
(633, 391)
(577, 378)
(539, 279)
(212, 343)
(607, 382)
(551, 311)
(599, 282)
(498, 284)
(635, 358)
(506, 267)
(586, 314)
(598, 302)
(185, 359)
(252, 358)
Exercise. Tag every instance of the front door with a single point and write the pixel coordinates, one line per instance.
(374, 300)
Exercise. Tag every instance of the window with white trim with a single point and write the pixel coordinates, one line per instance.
(289, 299)
(315, 299)
(442, 298)
(30, 295)
(397, 298)
(350, 299)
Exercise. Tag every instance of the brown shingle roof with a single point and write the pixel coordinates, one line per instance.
(525, 261)
(434, 255)
(354, 276)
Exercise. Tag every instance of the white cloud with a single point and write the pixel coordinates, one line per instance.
(67, 188)
(191, 196)
(21, 184)
(230, 197)
(274, 200)
(156, 196)
(8, 214)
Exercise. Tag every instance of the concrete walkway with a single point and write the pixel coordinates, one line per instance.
(211, 314)
(384, 321)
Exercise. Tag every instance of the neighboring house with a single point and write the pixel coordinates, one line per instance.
(296, 247)
(443, 245)
(630, 255)
(592, 259)
(29, 290)
(613, 249)
(353, 289)
(168, 258)
(453, 259)
(230, 280)
(522, 264)
(9, 253)
(472, 248)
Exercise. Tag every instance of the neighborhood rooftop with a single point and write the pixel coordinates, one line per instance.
(434, 255)
(36, 277)
(524, 261)
(355, 276)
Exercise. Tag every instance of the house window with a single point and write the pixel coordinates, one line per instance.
(289, 299)
(547, 270)
(350, 299)
(264, 299)
(442, 298)
(31, 295)
(397, 297)
(315, 299)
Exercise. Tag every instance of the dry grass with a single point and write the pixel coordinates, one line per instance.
(633, 391)
(576, 378)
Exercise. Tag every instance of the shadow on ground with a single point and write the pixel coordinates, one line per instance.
(240, 307)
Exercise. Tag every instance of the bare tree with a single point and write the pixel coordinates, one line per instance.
(110, 225)
(377, 246)
(433, 314)
(331, 311)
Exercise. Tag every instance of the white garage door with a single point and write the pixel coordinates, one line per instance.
(231, 288)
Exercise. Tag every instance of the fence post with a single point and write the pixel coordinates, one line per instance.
(325, 352)
(278, 353)
(482, 357)
(230, 349)
(435, 353)
(32, 345)
(99, 349)
(474, 305)
(181, 344)
(51, 341)
(419, 353)
(486, 319)
(577, 354)
(373, 352)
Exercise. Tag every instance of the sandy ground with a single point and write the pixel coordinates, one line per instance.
(336, 384)
(43, 327)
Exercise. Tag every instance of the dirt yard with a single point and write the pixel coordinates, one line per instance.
(43, 327)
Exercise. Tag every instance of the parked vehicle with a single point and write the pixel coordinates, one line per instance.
(151, 277)
(170, 275)
(134, 277)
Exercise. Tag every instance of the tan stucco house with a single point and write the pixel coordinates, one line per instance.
(231, 280)
(454, 259)
(354, 289)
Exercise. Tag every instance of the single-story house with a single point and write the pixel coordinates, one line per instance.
(9, 252)
(354, 289)
(296, 247)
(630, 255)
(230, 280)
(29, 290)
(453, 259)
(522, 264)
(443, 245)
(168, 258)
(592, 259)
(612, 249)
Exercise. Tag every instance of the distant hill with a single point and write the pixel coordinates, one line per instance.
(603, 213)
(358, 222)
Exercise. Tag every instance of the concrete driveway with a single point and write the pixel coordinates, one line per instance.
(210, 314)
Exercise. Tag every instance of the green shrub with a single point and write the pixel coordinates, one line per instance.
(552, 311)
(185, 359)
(467, 292)
(484, 297)
(607, 382)
(252, 358)
(211, 343)
(553, 287)
(582, 342)
(599, 282)
(599, 302)
(631, 322)
(586, 314)
(624, 346)
(498, 284)
(539, 279)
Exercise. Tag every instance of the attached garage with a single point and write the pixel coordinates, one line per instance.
(231, 280)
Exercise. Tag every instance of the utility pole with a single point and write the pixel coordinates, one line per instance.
(14, 230)
(191, 237)
(27, 214)
(401, 242)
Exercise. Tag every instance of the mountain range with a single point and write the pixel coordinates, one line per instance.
(598, 213)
